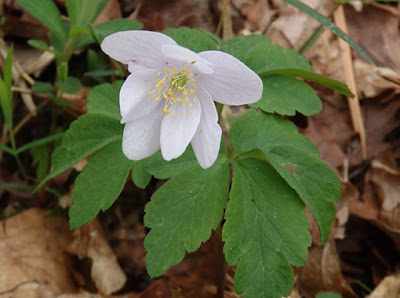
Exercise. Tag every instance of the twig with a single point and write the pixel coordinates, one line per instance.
(354, 104)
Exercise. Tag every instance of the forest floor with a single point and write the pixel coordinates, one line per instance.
(358, 138)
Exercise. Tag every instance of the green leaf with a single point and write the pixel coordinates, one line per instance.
(86, 135)
(294, 157)
(328, 24)
(182, 213)
(6, 105)
(265, 230)
(101, 73)
(312, 76)
(40, 156)
(82, 13)
(103, 99)
(282, 94)
(7, 75)
(39, 44)
(97, 61)
(239, 47)
(6, 149)
(104, 29)
(40, 142)
(327, 295)
(42, 88)
(162, 169)
(99, 184)
(71, 85)
(140, 176)
(192, 39)
(285, 95)
(266, 57)
(47, 12)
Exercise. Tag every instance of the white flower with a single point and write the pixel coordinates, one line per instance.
(167, 100)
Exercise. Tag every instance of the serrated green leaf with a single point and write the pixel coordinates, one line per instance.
(104, 29)
(47, 12)
(265, 230)
(140, 176)
(86, 135)
(266, 57)
(312, 76)
(285, 95)
(192, 39)
(162, 169)
(294, 157)
(328, 24)
(104, 99)
(240, 46)
(82, 13)
(182, 213)
(99, 184)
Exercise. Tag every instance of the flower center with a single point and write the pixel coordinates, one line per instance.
(175, 87)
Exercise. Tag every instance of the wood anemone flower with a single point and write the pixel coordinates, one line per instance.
(167, 100)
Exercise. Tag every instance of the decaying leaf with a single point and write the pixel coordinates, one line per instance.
(32, 260)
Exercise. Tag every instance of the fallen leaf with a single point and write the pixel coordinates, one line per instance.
(32, 261)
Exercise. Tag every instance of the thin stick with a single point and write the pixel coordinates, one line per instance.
(354, 104)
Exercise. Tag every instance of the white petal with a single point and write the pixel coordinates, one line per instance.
(141, 138)
(143, 108)
(135, 88)
(232, 82)
(207, 139)
(179, 56)
(133, 66)
(140, 46)
(177, 130)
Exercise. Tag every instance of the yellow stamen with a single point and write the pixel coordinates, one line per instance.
(166, 70)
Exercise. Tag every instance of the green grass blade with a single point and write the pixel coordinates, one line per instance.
(6, 149)
(330, 25)
(39, 142)
(308, 75)
(5, 103)
(7, 75)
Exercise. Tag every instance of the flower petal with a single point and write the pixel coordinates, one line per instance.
(143, 108)
(141, 138)
(232, 82)
(179, 56)
(135, 89)
(207, 139)
(177, 130)
(140, 46)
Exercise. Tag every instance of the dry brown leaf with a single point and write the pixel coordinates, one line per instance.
(371, 80)
(322, 273)
(32, 261)
(387, 288)
(376, 31)
(387, 184)
(90, 242)
(296, 25)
